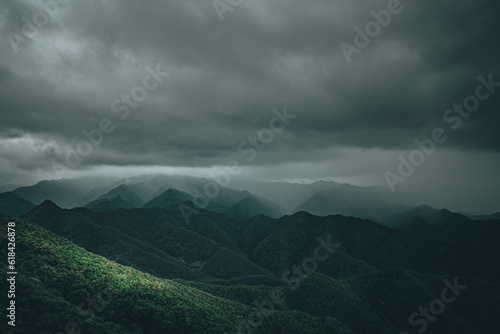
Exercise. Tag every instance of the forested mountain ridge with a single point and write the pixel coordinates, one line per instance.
(58, 279)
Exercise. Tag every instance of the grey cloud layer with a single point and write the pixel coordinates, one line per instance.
(225, 77)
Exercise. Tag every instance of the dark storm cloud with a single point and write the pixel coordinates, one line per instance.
(226, 76)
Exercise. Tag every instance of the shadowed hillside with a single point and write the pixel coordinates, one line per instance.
(58, 277)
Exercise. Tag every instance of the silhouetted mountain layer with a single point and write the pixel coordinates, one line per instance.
(495, 216)
(235, 203)
(12, 205)
(352, 201)
(287, 195)
(443, 223)
(168, 198)
(105, 204)
(63, 192)
(124, 196)
(251, 207)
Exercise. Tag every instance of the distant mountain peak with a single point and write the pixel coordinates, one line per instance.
(249, 199)
(169, 197)
(173, 191)
(251, 206)
(349, 200)
(46, 206)
(48, 203)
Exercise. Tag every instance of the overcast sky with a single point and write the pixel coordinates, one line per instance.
(352, 119)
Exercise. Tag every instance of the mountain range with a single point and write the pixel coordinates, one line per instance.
(208, 276)
(273, 199)
(346, 260)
